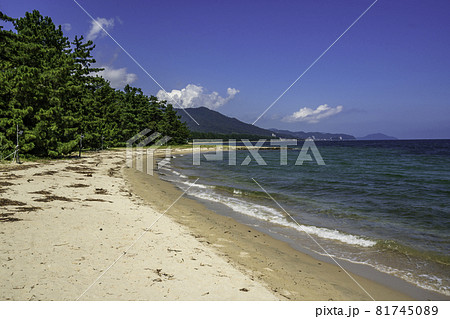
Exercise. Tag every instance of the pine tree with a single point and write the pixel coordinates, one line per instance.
(50, 88)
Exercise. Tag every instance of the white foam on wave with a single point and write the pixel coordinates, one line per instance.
(239, 206)
(332, 234)
(174, 172)
(195, 185)
(178, 174)
(272, 215)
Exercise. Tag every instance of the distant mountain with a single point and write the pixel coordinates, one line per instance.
(214, 122)
(216, 125)
(377, 137)
(314, 135)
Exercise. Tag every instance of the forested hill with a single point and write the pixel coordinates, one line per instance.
(213, 124)
(50, 90)
(216, 124)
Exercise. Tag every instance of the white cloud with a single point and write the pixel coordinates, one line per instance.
(194, 96)
(97, 27)
(66, 27)
(118, 77)
(310, 115)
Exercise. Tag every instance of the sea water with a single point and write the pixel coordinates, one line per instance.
(385, 204)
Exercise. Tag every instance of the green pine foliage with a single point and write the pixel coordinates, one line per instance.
(51, 90)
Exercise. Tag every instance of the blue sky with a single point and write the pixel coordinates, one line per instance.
(389, 73)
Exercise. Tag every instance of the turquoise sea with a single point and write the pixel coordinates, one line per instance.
(385, 204)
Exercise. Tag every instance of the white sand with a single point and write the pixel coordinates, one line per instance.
(58, 251)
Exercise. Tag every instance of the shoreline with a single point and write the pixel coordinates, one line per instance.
(417, 290)
(72, 218)
(290, 273)
(364, 270)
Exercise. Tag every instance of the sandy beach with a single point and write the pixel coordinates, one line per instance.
(65, 223)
